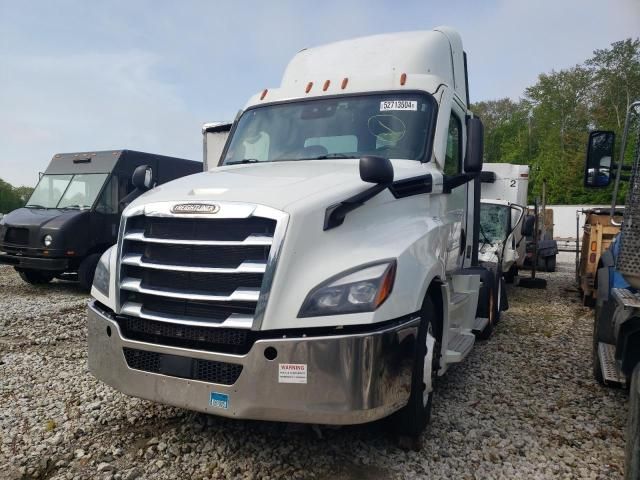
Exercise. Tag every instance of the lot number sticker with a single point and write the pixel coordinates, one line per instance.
(292, 373)
(394, 105)
(219, 400)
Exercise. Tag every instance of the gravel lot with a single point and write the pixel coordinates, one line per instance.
(523, 405)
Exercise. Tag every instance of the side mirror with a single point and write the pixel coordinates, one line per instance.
(528, 226)
(142, 178)
(376, 170)
(597, 172)
(475, 146)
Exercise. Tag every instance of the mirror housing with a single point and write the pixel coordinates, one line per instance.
(143, 178)
(597, 171)
(475, 145)
(378, 170)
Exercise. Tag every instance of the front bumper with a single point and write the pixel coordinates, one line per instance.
(351, 379)
(35, 263)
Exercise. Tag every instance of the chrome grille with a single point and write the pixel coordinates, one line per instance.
(198, 270)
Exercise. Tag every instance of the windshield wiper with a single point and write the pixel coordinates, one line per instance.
(244, 160)
(33, 205)
(330, 155)
(74, 207)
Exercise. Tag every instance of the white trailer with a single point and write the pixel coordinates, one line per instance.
(326, 271)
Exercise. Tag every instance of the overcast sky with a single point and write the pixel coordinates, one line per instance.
(81, 76)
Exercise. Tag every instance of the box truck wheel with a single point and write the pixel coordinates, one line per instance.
(550, 264)
(412, 419)
(34, 277)
(632, 449)
(86, 270)
(510, 275)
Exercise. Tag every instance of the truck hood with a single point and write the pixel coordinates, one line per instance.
(40, 217)
(280, 185)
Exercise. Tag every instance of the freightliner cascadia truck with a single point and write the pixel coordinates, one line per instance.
(326, 270)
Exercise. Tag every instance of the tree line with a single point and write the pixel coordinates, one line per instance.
(548, 127)
(12, 197)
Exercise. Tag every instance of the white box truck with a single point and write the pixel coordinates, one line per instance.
(504, 201)
(326, 271)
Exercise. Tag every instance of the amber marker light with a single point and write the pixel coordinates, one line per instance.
(309, 87)
(386, 286)
(403, 79)
(343, 85)
(264, 94)
(326, 85)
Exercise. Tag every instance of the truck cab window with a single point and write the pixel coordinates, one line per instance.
(453, 157)
(392, 125)
(108, 201)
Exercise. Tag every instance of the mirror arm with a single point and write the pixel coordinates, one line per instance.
(449, 182)
(335, 214)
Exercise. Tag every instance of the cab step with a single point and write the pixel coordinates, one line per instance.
(479, 324)
(459, 347)
(610, 371)
(626, 298)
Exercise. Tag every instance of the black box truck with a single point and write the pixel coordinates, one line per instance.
(73, 214)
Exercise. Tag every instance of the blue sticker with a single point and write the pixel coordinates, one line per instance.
(219, 400)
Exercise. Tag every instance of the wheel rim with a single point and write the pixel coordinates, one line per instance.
(427, 371)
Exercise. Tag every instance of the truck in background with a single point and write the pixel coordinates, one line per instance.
(616, 333)
(500, 249)
(214, 138)
(599, 230)
(73, 214)
(327, 270)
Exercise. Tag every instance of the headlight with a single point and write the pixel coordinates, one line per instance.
(362, 289)
(47, 240)
(102, 276)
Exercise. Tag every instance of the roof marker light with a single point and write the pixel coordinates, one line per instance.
(403, 79)
(326, 85)
(345, 80)
(264, 94)
(309, 86)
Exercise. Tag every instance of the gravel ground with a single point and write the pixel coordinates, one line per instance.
(523, 405)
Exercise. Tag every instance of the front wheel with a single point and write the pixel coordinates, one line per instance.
(35, 278)
(413, 418)
(86, 271)
(632, 449)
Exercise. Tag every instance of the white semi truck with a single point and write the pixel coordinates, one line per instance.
(326, 271)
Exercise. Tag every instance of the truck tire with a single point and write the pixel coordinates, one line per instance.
(597, 367)
(632, 449)
(35, 277)
(86, 271)
(510, 275)
(413, 418)
(488, 303)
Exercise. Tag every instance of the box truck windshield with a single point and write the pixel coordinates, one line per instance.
(388, 125)
(67, 191)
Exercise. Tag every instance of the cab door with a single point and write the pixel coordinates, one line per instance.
(455, 202)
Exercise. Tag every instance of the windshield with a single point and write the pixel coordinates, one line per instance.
(394, 125)
(67, 191)
(494, 223)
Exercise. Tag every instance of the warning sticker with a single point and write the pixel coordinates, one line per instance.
(292, 373)
(392, 105)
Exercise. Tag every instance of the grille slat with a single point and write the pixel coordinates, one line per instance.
(224, 229)
(182, 367)
(195, 269)
(17, 236)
